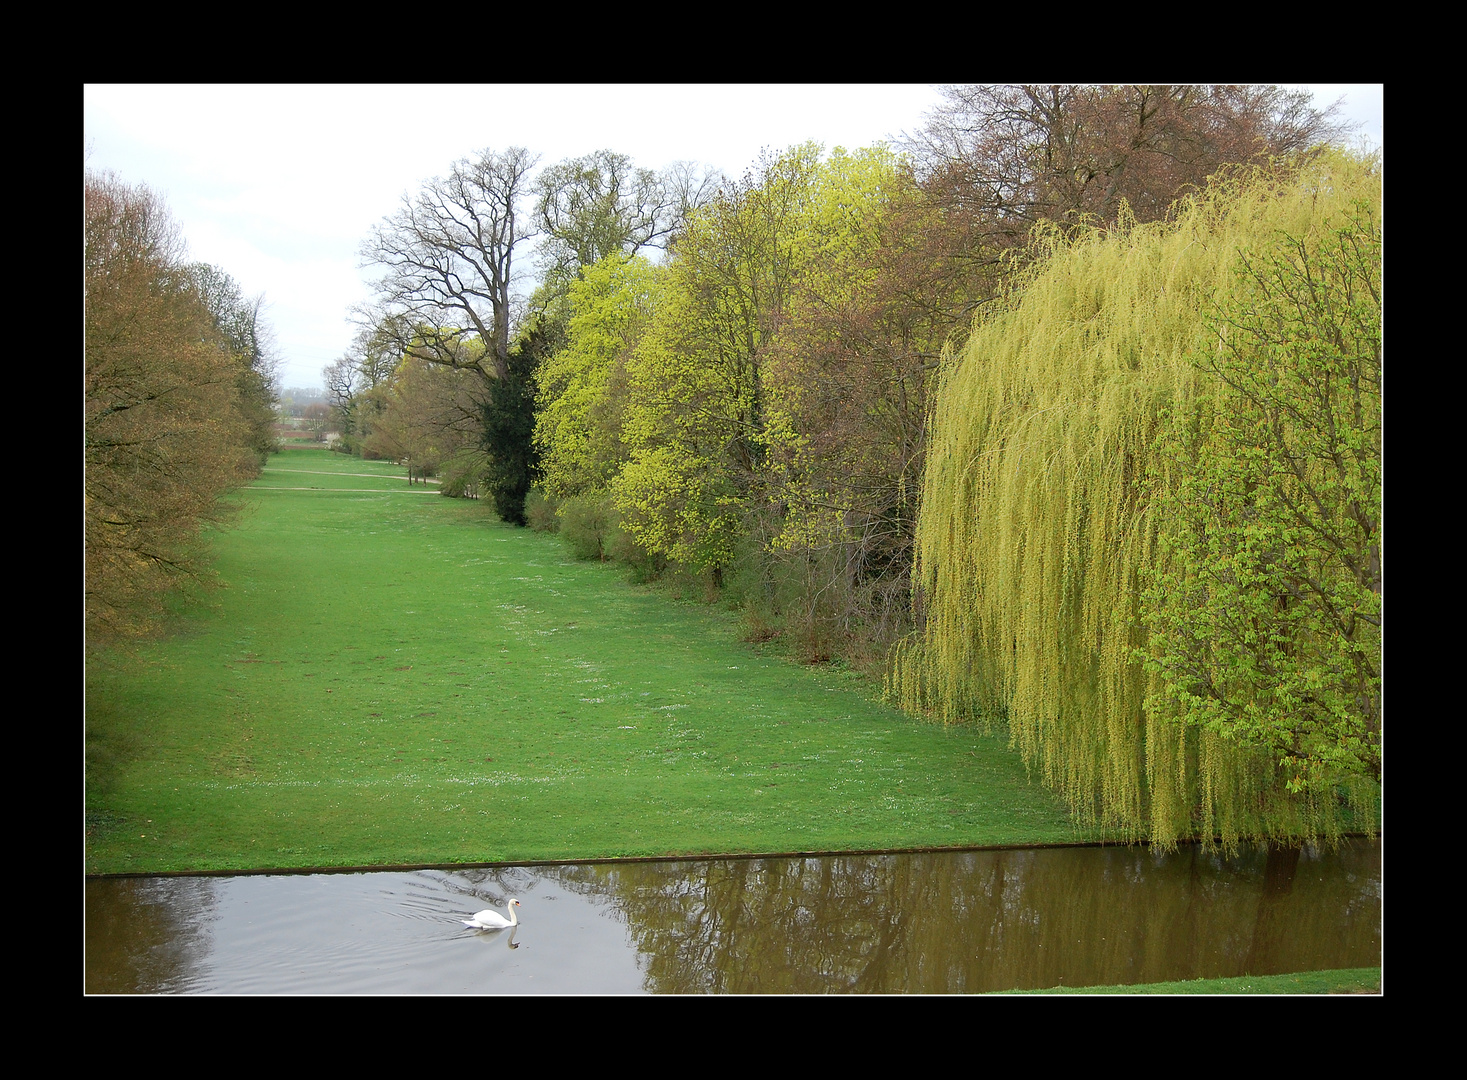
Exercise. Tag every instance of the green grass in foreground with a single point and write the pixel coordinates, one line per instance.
(1341, 981)
(391, 677)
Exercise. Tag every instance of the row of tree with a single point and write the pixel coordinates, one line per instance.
(735, 380)
(442, 372)
(179, 396)
(752, 409)
(751, 404)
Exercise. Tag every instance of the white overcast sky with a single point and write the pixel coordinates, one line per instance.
(279, 185)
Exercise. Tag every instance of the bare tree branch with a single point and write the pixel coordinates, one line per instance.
(448, 261)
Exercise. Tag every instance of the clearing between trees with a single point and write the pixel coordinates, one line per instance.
(384, 681)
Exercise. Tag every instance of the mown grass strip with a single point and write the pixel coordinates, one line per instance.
(393, 680)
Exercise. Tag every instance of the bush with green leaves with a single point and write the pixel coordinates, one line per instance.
(1265, 610)
(587, 523)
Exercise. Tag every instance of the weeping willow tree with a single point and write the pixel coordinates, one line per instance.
(1049, 517)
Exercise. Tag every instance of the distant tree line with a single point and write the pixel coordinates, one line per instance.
(295, 400)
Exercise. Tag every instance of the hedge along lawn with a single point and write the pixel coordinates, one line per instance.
(389, 677)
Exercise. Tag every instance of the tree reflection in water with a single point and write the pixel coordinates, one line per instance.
(147, 932)
(948, 922)
(991, 920)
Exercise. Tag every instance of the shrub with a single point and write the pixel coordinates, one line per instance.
(645, 565)
(542, 512)
(587, 523)
(462, 474)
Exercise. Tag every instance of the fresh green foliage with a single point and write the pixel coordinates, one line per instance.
(1265, 606)
(847, 375)
(695, 420)
(540, 511)
(756, 406)
(587, 524)
(390, 677)
(429, 418)
(578, 420)
(1040, 517)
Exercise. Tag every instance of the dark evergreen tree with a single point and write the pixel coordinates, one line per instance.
(509, 426)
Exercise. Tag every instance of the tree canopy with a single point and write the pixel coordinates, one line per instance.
(1014, 155)
(173, 396)
(1093, 439)
(578, 417)
(447, 256)
(1079, 385)
(594, 206)
(240, 322)
(1265, 604)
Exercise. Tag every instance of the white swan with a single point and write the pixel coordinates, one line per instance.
(489, 919)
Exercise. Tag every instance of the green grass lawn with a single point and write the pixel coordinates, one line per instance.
(389, 677)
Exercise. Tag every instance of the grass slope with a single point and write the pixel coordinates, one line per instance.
(389, 677)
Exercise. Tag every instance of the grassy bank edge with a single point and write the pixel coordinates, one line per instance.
(698, 856)
(1337, 981)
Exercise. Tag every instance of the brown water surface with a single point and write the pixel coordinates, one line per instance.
(954, 922)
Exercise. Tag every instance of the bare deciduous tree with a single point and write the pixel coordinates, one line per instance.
(448, 255)
(1020, 153)
(592, 206)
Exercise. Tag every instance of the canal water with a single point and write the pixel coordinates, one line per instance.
(951, 922)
